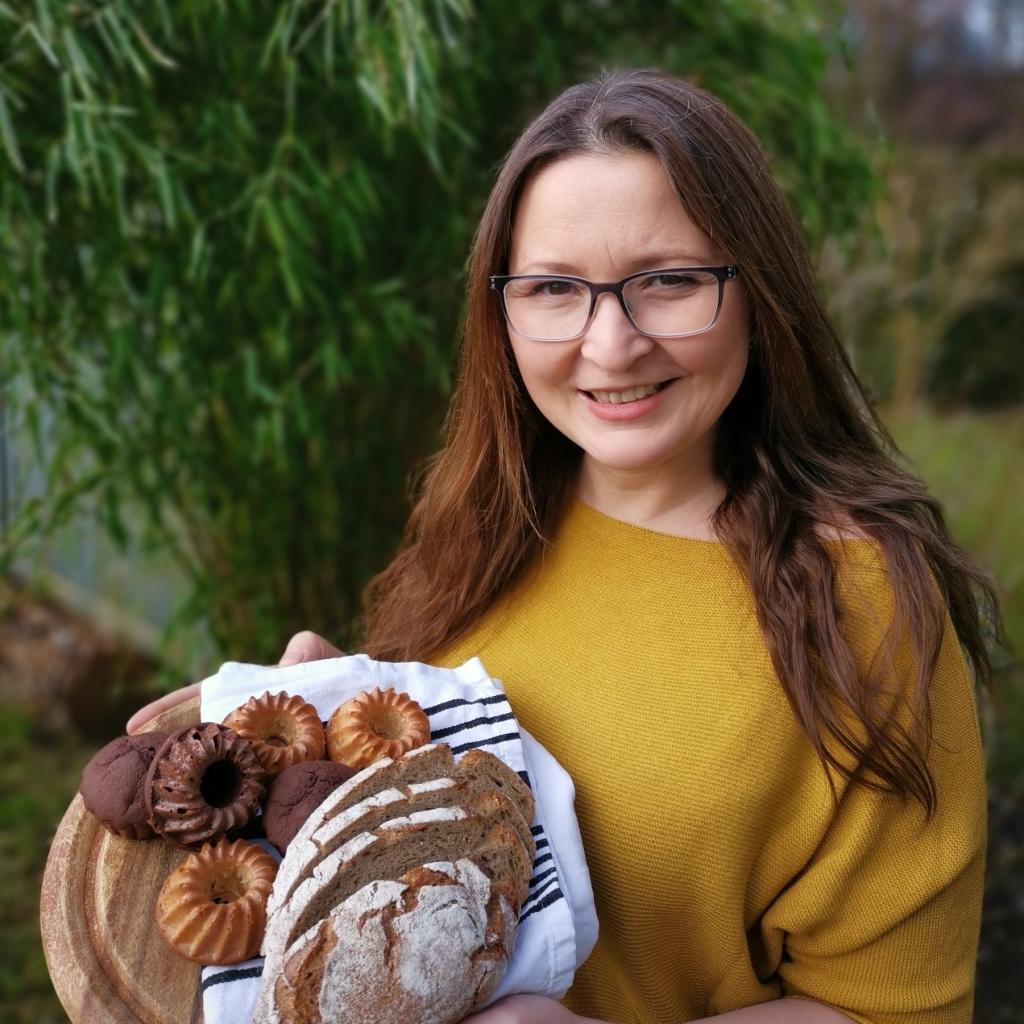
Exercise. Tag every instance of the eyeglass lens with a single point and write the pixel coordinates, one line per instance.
(553, 308)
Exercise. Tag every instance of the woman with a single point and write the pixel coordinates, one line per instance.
(666, 518)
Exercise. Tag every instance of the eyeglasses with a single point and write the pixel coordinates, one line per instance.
(674, 302)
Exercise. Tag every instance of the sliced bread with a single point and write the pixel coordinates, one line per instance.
(444, 834)
(472, 777)
(421, 764)
(483, 768)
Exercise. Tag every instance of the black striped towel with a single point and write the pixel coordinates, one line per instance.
(467, 709)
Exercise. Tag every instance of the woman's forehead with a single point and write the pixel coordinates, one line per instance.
(617, 211)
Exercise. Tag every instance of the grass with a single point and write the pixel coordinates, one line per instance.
(974, 466)
(39, 773)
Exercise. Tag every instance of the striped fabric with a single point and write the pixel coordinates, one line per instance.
(467, 710)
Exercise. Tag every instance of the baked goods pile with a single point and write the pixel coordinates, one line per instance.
(398, 898)
(403, 875)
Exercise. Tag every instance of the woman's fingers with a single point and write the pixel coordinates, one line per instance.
(307, 646)
(169, 700)
(304, 646)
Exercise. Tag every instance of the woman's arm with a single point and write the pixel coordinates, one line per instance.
(541, 1010)
(168, 700)
(304, 646)
(783, 1011)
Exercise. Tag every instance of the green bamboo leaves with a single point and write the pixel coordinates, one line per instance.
(234, 236)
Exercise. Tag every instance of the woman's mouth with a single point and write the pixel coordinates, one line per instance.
(628, 404)
(633, 394)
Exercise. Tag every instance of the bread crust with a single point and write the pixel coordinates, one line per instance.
(388, 851)
(399, 898)
(429, 947)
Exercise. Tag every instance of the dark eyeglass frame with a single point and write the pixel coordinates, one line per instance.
(498, 282)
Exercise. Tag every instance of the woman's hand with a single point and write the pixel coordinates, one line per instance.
(527, 1010)
(304, 646)
(308, 646)
(168, 700)
(541, 1010)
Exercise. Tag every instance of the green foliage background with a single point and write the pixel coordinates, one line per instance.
(233, 245)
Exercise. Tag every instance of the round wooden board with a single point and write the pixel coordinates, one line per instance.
(103, 948)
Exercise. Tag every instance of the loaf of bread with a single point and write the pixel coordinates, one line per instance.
(426, 948)
(446, 833)
(409, 861)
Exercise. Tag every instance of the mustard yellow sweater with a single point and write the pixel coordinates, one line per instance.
(723, 873)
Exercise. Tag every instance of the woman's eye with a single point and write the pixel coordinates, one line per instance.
(553, 288)
(672, 281)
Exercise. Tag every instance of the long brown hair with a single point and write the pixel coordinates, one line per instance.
(799, 447)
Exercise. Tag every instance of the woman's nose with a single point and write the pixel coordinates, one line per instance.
(611, 341)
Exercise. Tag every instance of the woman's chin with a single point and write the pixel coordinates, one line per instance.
(638, 463)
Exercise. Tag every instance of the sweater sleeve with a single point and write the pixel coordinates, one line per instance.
(883, 921)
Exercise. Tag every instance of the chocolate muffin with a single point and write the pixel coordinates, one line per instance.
(205, 783)
(112, 784)
(295, 793)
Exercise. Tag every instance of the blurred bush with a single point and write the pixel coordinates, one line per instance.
(979, 360)
(233, 239)
(930, 305)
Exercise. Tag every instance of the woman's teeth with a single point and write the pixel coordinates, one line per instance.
(630, 395)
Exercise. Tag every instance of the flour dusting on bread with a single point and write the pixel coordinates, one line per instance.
(399, 899)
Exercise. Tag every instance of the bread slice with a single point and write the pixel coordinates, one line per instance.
(301, 855)
(472, 778)
(429, 947)
(443, 834)
(421, 764)
(418, 765)
(482, 768)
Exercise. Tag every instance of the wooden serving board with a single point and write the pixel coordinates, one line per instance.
(103, 947)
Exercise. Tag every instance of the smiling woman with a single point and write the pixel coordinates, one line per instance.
(666, 518)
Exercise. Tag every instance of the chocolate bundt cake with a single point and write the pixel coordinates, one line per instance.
(205, 782)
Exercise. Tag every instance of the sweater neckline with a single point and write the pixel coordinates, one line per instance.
(621, 527)
(611, 527)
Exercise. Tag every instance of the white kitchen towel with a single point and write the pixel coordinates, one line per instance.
(466, 709)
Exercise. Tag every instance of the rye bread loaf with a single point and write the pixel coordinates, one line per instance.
(499, 854)
(421, 765)
(472, 777)
(388, 820)
(429, 947)
(396, 846)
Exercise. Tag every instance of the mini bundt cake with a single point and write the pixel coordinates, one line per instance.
(213, 908)
(283, 730)
(373, 725)
(204, 783)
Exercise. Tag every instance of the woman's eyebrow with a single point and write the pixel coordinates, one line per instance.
(654, 261)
